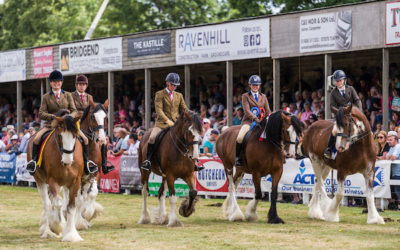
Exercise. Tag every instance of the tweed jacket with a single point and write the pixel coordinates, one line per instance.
(167, 110)
(49, 106)
(249, 102)
(337, 100)
(81, 106)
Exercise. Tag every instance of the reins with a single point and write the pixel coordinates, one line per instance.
(181, 143)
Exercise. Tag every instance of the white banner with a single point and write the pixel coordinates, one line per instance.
(392, 23)
(12, 66)
(91, 56)
(20, 171)
(222, 42)
(328, 31)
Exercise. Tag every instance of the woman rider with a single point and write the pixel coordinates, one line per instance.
(252, 99)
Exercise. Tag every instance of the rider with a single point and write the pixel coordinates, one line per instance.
(53, 102)
(341, 95)
(168, 104)
(250, 100)
(82, 101)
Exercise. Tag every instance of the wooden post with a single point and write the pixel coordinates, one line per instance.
(229, 91)
(187, 85)
(328, 72)
(385, 88)
(147, 97)
(276, 84)
(111, 104)
(19, 106)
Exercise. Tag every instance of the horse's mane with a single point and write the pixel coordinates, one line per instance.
(355, 111)
(85, 113)
(340, 117)
(196, 121)
(70, 124)
(297, 124)
(273, 128)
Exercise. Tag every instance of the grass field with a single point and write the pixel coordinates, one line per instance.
(117, 228)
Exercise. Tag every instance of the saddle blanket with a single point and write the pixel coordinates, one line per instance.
(39, 163)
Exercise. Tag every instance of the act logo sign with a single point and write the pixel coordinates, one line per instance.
(302, 178)
(378, 180)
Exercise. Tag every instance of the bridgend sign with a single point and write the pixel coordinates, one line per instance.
(328, 31)
(222, 42)
(12, 66)
(392, 23)
(91, 56)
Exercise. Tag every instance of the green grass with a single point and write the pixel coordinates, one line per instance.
(117, 228)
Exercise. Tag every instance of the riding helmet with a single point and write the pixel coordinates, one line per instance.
(82, 79)
(255, 79)
(339, 75)
(56, 76)
(173, 78)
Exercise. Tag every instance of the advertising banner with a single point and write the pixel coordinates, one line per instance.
(42, 62)
(129, 172)
(7, 167)
(149, 45)
(91, 56)
(328, 31)
(222, 42)
(109, 183)
(181, 188)
(12, 66)
(212, 180)
(392, 23)
(20, 171)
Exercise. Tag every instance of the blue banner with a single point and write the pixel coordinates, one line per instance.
(7, 167)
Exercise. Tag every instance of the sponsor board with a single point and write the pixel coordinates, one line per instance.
(149, 45)
(7, 167)
(20, 171)
(12, 66)
(181, 188)
(129, 172)
(109, 183)
(392, 23)
(42, 62)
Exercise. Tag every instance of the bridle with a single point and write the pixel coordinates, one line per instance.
(62, 150)
(181, 144)
(91, 134)
(356, 138)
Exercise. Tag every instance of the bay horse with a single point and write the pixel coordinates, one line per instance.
(356, 154)
(173, 158)
(62, 166)
(92, 124)
(262, 158)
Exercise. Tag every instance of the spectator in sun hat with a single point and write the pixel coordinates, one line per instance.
(13, 146)
(209, 145)
(394, 151)
(206, 130)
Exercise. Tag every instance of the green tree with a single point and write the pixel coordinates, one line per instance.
(294, 5)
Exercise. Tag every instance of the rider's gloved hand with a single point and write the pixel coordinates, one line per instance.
(170, 123)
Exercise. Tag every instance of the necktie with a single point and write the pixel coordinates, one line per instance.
(170, 96)
(256, 97)
(343, 93)
(81, 97)
(58, 98)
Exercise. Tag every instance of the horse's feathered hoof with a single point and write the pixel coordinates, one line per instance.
(276, 220)
(175, 223)
(184, 209)
(47, 234)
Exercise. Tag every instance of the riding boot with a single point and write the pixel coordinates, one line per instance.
(89, 166)
(238, 160)
(147, 163)
(31, 166)
(329, 149)
(105, 167)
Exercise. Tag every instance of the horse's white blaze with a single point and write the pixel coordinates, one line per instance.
(292, 136)
(145, 217)
(99, 116)
(68, 143)
(361, 125)
(196, 136)
(373, 215)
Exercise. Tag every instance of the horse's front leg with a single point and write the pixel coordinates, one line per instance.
(70, 232)
(187, 206)
(373, 215)
(80, 222)
(272, 213)
(332, 211)
(231, 208)
(56, 218)
(173, 218)
(162, 217)
(145, 217)
(314, 210)
(44, 229)
(251, 209)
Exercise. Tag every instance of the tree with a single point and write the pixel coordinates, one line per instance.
(295, 5)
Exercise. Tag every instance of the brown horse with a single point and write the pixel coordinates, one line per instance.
(174, 158)
(262, 158)
(62, 166)
(92, 125)
(356, 154)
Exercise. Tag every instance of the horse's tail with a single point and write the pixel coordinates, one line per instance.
(187, 206)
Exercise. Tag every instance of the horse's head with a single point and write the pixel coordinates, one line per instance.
(66, 131)
(96, 113)
(191, 129)
(291, 128)
(350, 126)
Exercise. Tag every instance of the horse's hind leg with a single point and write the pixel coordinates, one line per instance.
(173, 218)
(272, 213)
(56, 218)
(161, 216)
(70, 232)
(251, 209)
(373, 215)
(80, 222)
(314, 210)
(145, 217)
(187, 206)
(44, 229)
(332, 211)
(93, 208)
(230, 208)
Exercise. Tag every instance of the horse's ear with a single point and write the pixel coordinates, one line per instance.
(78, 117)
(59, 119)
(187, 115)
(348, 108)
(106, 103)
(335, 110)
(286, 118)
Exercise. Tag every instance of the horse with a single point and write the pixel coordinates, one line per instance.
(262, 158)
(173, 158)
(356, 153)
(62, 166)
(92, 125)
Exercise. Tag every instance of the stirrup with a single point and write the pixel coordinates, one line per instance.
(91, 167)
(146, 165)
(31, 172)
(199, 168)
(107, 168)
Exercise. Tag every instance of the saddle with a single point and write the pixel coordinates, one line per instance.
(157, 143)
(43, 140)
(244, 144)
